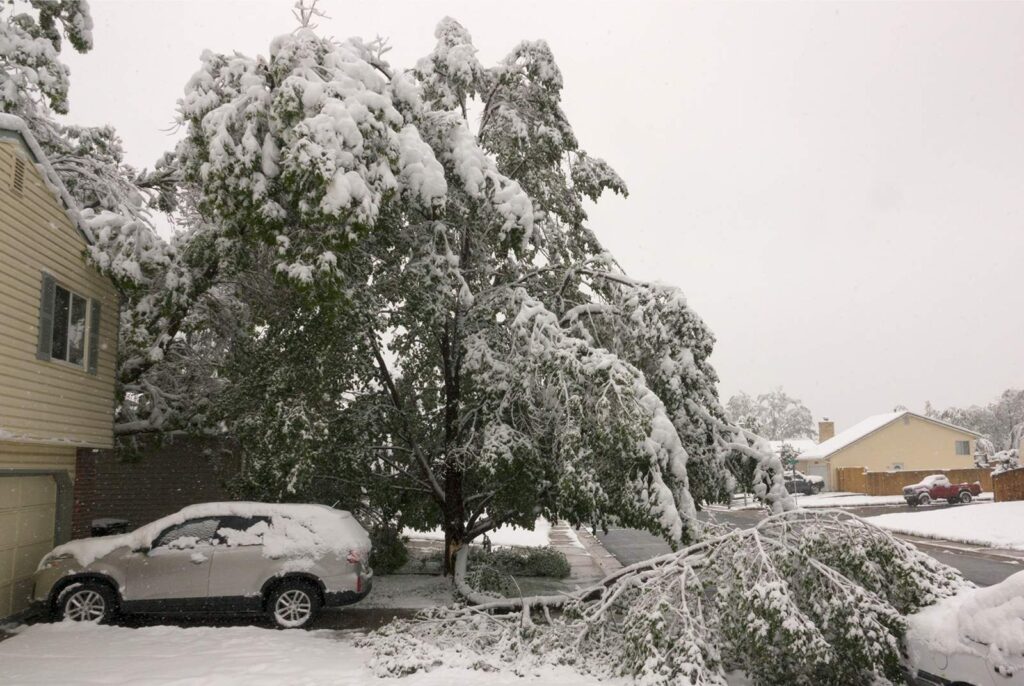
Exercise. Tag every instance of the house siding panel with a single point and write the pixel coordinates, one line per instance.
(48, 401)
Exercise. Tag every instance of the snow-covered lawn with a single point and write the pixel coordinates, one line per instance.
(76, 655)
(997, 525)
(505, 535)
(408, 591)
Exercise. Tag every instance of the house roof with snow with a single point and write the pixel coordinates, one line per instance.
(15, 128)
(865, 428)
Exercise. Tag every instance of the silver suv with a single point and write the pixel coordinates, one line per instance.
(285, 560)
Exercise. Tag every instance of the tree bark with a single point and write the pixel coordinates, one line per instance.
(454, 519)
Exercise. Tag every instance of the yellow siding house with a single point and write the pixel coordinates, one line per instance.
(58, 319)
(891, 442)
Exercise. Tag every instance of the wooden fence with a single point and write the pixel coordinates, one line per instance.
(1009, 485)
(857, 480)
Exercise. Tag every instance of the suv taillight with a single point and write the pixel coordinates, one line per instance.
(354, 557)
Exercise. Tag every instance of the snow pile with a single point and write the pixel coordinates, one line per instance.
(997, 525)
(988, 622)
(79, 655)
(302, 531)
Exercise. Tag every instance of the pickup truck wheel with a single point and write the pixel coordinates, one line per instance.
(924, 499)
(965, 496)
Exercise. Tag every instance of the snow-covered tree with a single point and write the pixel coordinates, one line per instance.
(802, 598)
(445, 329)
(164, 365)
(1001, 421)
(774, 415)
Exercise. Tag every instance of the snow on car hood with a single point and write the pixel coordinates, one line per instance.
(299, 531)
(982, 621)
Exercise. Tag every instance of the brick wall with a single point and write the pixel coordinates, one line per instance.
(85, 491)
(856, 480)
(161, 480)
(1009, 485)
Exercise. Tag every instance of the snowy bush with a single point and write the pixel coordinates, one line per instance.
(802, 598)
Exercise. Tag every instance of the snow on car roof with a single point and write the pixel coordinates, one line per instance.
(932, 479)
(297, 530)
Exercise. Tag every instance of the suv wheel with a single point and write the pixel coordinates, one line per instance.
(293, 604)
(924, 499)
(965, 496)
(90, 601)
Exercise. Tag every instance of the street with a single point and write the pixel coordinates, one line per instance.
(978, 565)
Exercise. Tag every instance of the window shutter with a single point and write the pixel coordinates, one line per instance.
(45, 317)
(94, 335)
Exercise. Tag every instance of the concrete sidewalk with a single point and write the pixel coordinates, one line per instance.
(587, 557)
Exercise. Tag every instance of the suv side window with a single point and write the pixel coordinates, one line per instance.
(188, 534)
(242, 531)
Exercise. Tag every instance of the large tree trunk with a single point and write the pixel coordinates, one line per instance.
(454, 519)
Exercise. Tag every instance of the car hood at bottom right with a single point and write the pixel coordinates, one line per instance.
(975, 637)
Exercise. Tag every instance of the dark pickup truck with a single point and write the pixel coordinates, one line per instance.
(938, 487)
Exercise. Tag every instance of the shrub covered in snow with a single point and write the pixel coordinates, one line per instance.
(802, 598)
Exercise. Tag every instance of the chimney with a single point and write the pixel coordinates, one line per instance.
(826, 429)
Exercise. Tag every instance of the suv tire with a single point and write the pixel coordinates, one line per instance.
(88, 601)
(924, 499)
(965, 497)
(293, 604)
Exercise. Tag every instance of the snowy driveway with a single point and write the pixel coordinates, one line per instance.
(76, 655)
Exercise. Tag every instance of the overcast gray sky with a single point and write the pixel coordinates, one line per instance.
(838, 188)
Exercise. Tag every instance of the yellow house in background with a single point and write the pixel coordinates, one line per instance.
(58, 338)
(895, 441)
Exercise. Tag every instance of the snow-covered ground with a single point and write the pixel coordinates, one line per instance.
(997, 525)
(505, 535)
(408, 591)
(77, 655)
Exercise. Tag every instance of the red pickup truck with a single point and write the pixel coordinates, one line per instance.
(938, 487)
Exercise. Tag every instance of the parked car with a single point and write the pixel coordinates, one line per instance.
(938, 487)
(816, 481)
(972, 639)
(798, 483)
(286, 561)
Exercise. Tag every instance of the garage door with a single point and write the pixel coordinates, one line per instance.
(28, 509)
(818, 469)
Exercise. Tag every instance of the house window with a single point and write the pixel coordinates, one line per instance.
(68, 340)
(963, 447)
(69, 326)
